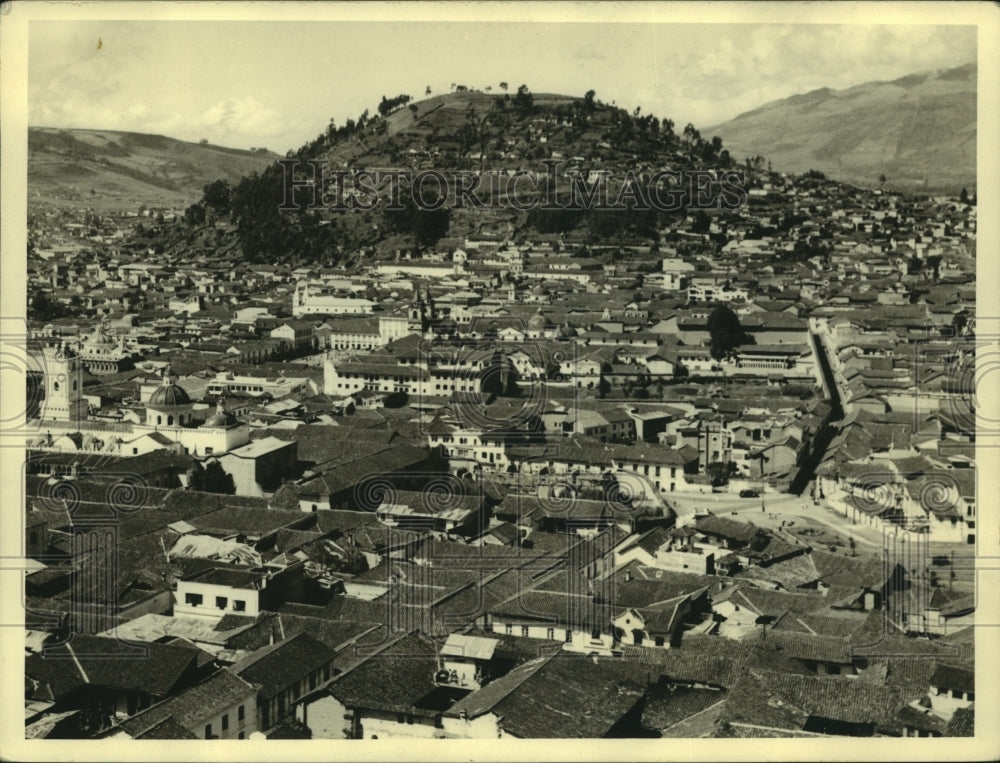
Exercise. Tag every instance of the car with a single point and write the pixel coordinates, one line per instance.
(749, 494)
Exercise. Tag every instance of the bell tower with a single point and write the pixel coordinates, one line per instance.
(416, 312)
(63, 386)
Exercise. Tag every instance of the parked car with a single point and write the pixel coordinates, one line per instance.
(749, 494)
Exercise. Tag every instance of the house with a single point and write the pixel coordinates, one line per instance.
(742, 609)
(233, 589)
(780, 702)
(106, 679)
(464, 661)
(952, 688)
(554, 697)
(443, 513)
(298, 336)
(652, 612)
(564, 616)
(286, 675)
(392, 693)
(223, 706)
(260, 466)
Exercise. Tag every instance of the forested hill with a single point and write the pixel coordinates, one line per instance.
(463, 130)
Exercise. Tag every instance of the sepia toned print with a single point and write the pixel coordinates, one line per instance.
(577, 382)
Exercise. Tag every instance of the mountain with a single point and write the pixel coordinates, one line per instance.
(463, 131)
(919, 131)
(107, 170)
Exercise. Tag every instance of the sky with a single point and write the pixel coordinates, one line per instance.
(277, 84)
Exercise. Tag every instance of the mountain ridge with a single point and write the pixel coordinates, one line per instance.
(919, 131)
(119, 169)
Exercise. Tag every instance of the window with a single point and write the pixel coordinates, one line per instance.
(524, 631)
(225, 722)
(239, 605)
(550, 633)
(240, 735)
(509, 629)
(208, 731)
(595, 634)
(193, 599)
(569, 635)
(241, 712)
(221, 602)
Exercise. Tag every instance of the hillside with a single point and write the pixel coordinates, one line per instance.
(467, 131)
(108, 171)
(919, 131)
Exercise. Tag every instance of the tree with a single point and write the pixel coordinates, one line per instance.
(213, 479)
(603, 387)
(428, 90)
(216, 196)
(719, 472)
(503, 86)
(588, 101)
(524, 101)
(726, 331)
(881, 180)
(964, 197)
(195, 214)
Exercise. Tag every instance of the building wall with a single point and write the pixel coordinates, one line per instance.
(484, 727)
(384, 725)
(237, 729)
(325, 718)
(945, 703)
(208, 608)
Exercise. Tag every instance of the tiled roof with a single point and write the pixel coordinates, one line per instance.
(571, 697)
(668, 704)
(192, 707)
(954, 678)
(962, 723)
(395, 679)
(786, 701)
(807, 646)
(277, 667)
(151, 668)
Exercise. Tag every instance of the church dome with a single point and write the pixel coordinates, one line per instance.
(168, 395)
(221, 417)
(99, 339)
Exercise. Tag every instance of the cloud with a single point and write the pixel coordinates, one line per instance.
(242, 117)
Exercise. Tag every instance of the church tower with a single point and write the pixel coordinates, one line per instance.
(63, 386)
(417, 314)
